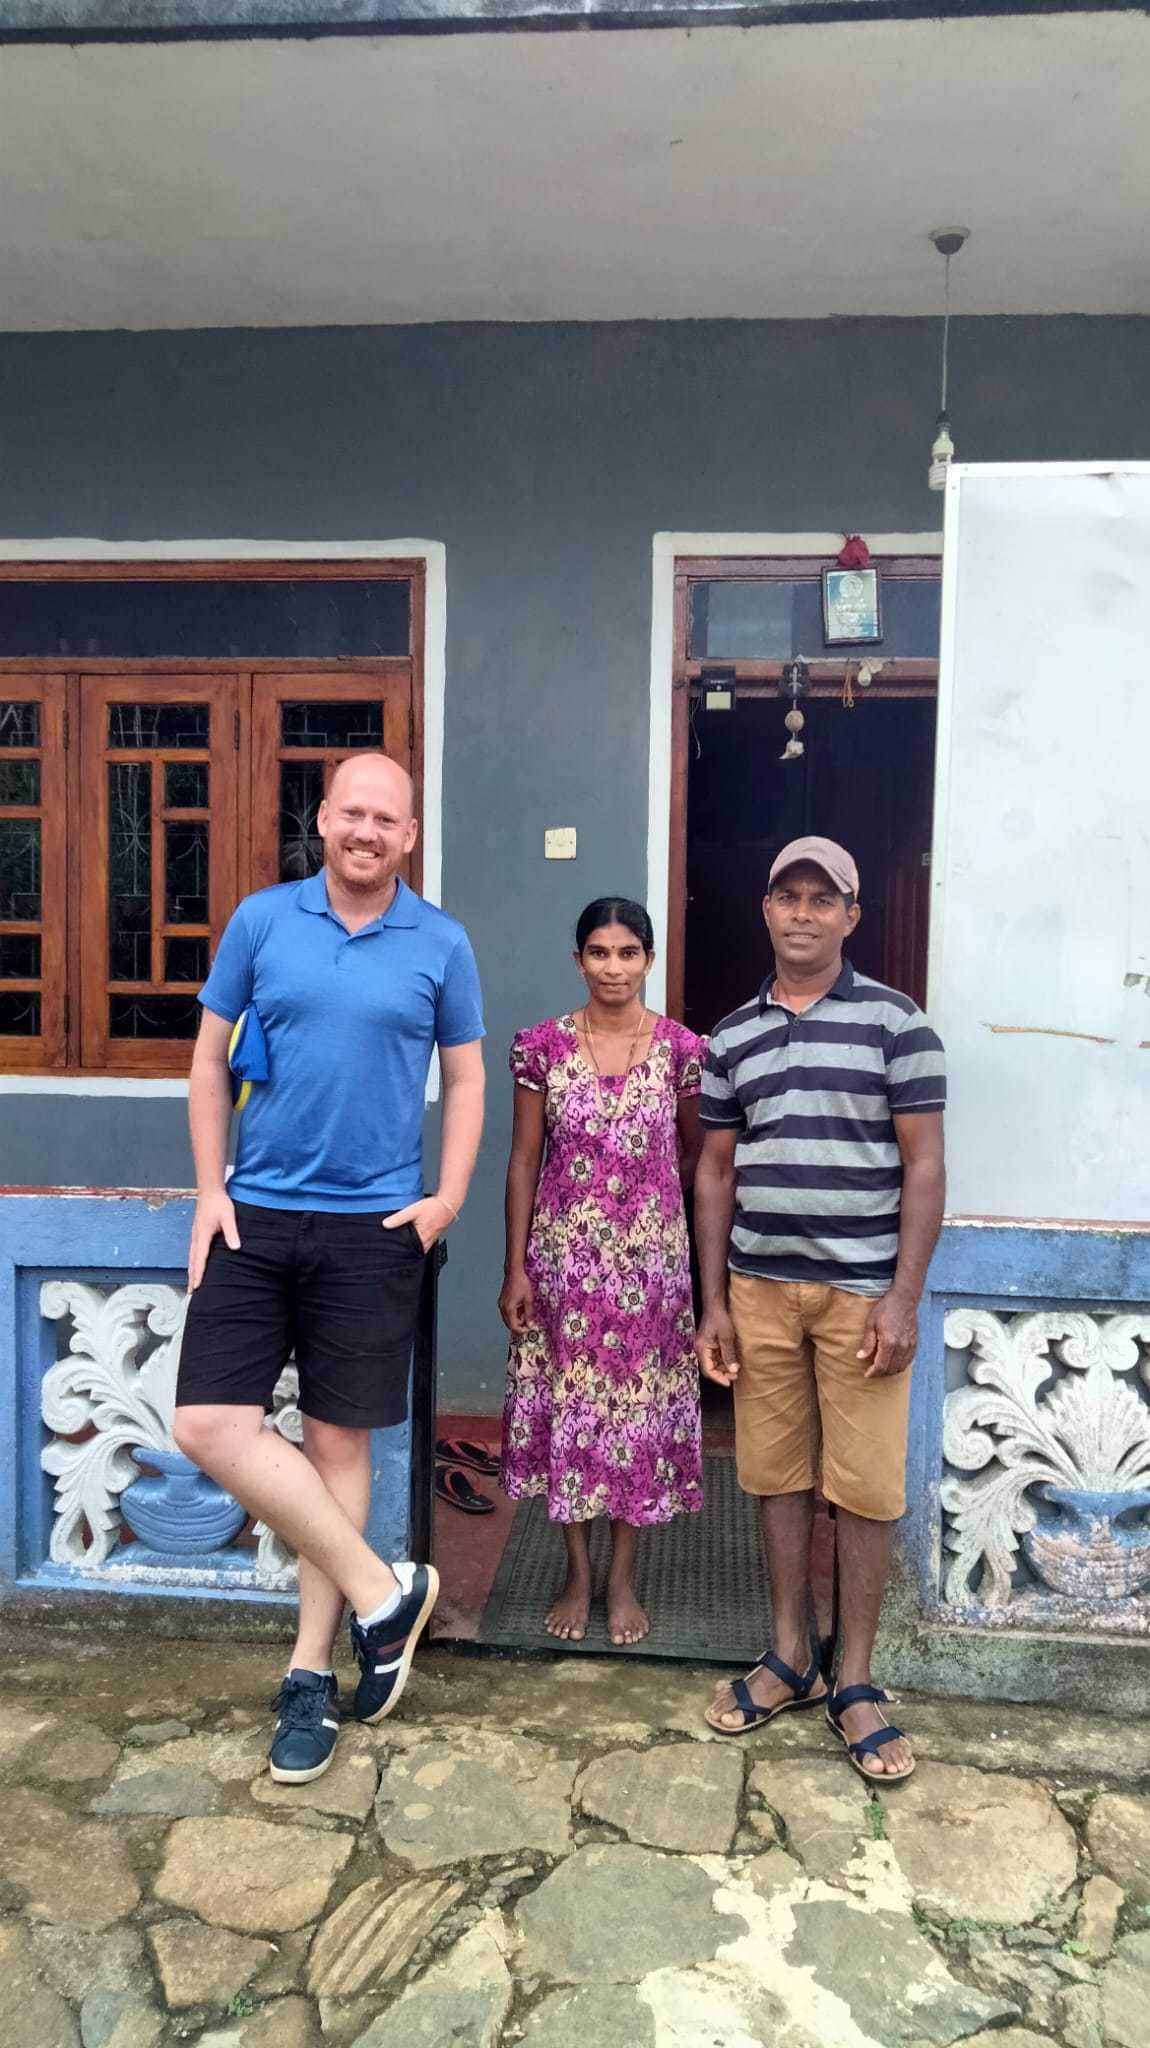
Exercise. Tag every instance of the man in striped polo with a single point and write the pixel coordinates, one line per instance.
(818, 1201)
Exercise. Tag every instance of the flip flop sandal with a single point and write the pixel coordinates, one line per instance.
(456, 1489)
(755, 1716)
(459, 1450)
(869, 1745)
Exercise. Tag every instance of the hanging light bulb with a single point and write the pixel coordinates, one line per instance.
(948, 242)
(941, 454)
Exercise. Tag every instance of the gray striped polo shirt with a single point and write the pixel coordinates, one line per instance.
(817, 1168)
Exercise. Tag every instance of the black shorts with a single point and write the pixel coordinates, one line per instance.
(340, 1292)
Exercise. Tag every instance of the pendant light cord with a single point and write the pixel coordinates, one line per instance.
(945, 334)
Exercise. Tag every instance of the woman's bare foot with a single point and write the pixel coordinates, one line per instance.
(766, 1691)
(626, 1620)
(568, 1617)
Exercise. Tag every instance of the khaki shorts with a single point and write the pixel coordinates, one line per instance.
(800, 1381)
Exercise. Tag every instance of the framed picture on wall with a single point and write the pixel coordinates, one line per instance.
(851, 606)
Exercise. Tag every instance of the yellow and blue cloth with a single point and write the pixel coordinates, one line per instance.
(247, 1056)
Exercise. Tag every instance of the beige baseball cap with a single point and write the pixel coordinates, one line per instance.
(834, 861)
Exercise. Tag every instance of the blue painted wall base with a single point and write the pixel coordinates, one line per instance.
(108, 1242)
(1037, 1646)
(1055, 1309)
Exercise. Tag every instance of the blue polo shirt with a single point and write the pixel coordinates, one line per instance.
(350, 1020)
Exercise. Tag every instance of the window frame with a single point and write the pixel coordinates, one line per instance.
(48, 1050)
(99, 1051)
(73, 1049)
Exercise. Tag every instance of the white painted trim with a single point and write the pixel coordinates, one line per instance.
(666, 550)
(1119, 467)
(944, 729)
(85, 1084)
(431, 552)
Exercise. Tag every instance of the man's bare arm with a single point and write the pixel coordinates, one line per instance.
(891, 1334)
(462, 1069)
(209, 1115)
(715, 1345)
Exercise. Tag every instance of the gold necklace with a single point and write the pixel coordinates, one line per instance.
(616, 1099)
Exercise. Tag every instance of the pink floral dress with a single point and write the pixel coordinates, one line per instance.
(602, 1411)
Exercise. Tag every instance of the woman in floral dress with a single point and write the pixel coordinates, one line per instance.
(602, 1412)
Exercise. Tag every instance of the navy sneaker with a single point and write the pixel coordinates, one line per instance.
(385, 1650)
(307, 1709)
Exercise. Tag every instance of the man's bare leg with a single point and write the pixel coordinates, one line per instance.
(864, 1560)
(342, 1458)
(787, 1520)
(276, 1483)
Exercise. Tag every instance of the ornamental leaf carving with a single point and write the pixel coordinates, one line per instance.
(101, 1388)
(275, 1564)
(1051, 1400)
(115, 1402)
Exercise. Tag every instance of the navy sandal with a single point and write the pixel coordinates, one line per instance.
(754, 1715)
(852, 1696)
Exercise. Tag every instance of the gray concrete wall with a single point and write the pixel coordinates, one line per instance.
(545, 458)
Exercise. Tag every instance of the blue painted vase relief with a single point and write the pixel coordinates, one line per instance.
(1046, 1485)
(176, 1510)
(1091, 1546)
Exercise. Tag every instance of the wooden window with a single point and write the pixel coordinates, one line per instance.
(32, 871)
(180, 768)
(303, 725)
(158, 804)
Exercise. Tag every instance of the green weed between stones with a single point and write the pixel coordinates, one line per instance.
(241, 2005)
(876, 1820)
(953, 1931)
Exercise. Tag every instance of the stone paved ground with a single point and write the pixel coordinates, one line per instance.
(555, 1854)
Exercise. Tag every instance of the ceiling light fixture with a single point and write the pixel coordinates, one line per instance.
(948, 242)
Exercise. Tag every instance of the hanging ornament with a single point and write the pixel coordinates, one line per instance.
(794, 683)
(854, 553)
(794, 750)
(948, 242)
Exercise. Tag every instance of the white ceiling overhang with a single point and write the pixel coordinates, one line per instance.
(777, 172)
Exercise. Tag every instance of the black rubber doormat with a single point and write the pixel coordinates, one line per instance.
(701, 1579)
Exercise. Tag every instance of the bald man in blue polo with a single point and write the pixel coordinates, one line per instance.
(331, 996)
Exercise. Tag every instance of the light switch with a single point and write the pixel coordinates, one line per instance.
(559, 842)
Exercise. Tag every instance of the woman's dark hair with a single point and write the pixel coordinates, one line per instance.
(615, 910)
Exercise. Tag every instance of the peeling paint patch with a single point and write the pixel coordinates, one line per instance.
(1049, 1031)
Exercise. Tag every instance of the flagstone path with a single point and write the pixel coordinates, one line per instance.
(556, 1854)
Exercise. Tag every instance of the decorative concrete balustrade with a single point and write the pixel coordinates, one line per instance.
(96, 1502)
(1047, 1447)
(108, 1404)
(1024, 1557)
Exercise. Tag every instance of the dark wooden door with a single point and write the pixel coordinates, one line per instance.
(866, 780)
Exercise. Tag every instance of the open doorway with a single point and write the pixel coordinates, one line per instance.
(866, 779)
